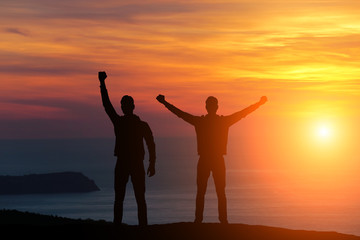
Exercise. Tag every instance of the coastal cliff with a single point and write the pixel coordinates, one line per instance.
(62, 182)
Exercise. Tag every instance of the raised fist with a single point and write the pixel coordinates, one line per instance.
(263, 99)
(161, 98)
(102, 76)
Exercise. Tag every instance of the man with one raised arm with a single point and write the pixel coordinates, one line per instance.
(212, 136)
(130, 133)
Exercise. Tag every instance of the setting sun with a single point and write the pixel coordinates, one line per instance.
(324, 132)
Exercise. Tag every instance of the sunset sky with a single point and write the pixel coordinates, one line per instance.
(303, 55)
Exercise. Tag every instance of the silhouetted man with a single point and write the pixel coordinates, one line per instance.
(130, 132)
(212, 136)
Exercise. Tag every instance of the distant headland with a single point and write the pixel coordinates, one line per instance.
(61, 182)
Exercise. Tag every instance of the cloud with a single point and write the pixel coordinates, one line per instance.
(30, 65)
(17, 31)
(114, 10)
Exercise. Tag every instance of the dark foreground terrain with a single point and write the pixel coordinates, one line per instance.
(20, 225)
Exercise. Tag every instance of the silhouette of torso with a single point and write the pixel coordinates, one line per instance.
(212, 134)
(130, 132)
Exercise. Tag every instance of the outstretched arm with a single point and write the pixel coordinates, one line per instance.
(235, 117)
(109, 109)
(181, 114)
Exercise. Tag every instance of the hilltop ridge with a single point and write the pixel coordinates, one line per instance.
(20, 225)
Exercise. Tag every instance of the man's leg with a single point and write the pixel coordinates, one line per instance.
(219, 175)
(138, 181)
(203, 173)
(120, 181)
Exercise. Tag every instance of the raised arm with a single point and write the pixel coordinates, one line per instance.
(235, 117)
(181, 114)
(109, 109)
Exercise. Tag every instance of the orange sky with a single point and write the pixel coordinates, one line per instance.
(303, 55)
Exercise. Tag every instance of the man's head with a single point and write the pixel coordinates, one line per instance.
(127, 104)
(211, 105)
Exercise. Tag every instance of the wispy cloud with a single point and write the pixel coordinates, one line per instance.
(17, 31)
(113, 10)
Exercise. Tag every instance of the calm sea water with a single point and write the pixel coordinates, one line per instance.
(253, 198)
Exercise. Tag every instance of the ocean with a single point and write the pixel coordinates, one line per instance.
(253, 196)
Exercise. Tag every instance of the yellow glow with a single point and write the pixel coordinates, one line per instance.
(324, 132)
(324, 137)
